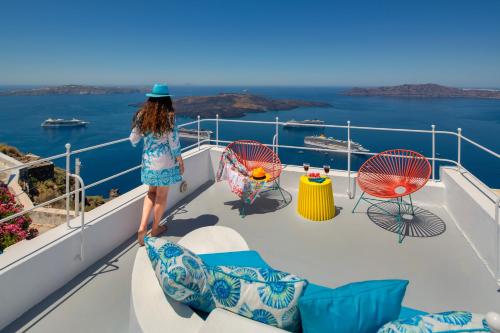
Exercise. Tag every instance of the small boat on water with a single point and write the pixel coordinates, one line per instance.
(299, 123)
(192, 134)
(322, 141)
(64, 123)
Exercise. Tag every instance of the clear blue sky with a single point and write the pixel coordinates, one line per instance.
(251, 42)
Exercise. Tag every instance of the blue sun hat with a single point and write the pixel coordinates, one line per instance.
(159, 90)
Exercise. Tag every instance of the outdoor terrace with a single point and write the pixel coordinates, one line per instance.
(83, 279)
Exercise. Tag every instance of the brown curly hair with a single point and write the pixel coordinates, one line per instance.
(156, 116)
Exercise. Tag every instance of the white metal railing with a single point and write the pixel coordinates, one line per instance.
(80, 187)
(275, 145)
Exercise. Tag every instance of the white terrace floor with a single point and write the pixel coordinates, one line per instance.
(444, 272)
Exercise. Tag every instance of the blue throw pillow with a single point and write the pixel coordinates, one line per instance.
(445, 322)
(237, 258)
(361, 307)
(409, 312)
(261, 294)
(180, 273)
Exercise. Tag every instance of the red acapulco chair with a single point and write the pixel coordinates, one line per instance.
(391, 175)
(253, 154)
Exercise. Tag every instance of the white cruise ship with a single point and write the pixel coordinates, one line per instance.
(64, 123)
(322, 141)
(315, 123)
(192, 134)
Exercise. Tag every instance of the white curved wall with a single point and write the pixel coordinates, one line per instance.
(32, 270)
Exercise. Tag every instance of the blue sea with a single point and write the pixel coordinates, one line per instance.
(110, 118)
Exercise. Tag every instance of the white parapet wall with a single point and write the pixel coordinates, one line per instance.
(32, 270)
(472, 207)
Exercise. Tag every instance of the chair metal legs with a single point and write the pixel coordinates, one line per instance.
(357, 202)
(399, 218)
(401, 210)
(274, 186)
(242, 209)
(277, 184)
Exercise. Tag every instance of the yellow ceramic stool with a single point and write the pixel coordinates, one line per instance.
(316, 200)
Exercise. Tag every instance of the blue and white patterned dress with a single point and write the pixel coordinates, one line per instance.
(159, 164)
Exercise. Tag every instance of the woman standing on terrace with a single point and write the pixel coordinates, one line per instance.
(162, 163)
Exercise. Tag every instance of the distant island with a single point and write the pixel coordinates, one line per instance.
(227, 105)
(231, 105)
(73, 89)
(423, 90)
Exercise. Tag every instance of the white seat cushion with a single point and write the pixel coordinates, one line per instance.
(150, 310)
(213, 239)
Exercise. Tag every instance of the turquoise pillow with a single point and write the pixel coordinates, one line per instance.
(361, 307)
(261, 294)
(180, 273)
(409, 312)
(237, 258)
(444, 322)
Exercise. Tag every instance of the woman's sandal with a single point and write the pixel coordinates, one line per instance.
(161, 229)
(140, 237)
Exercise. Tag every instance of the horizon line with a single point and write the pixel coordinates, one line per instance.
(184, 85)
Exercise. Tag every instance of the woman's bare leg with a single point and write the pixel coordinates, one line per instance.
(149, 201)
(159, 209)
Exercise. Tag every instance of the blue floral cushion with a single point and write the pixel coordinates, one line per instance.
(180, 273)
(445, 322)
(261, 294)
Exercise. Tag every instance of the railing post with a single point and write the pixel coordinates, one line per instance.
(79, 179)
(433, 152)
(68, 173)
(78, 164)
(349, 191)
(459, 149)
(198, 132)
(277, 135)
(82, 219)
(217, 130)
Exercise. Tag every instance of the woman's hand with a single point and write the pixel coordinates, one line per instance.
(181, 164)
